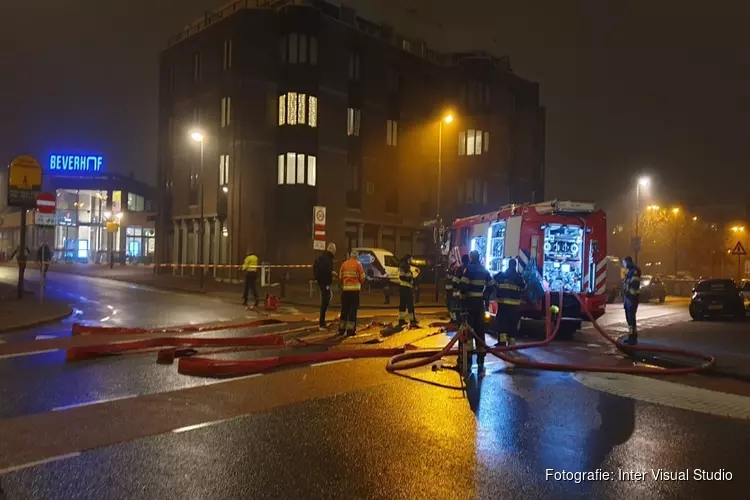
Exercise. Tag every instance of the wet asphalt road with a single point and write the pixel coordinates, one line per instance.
(406, 439)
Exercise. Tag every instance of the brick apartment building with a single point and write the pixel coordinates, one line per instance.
(304, 103)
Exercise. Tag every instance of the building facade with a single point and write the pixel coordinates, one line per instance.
(305, 103)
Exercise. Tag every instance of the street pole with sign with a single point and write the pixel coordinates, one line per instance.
(24, 185)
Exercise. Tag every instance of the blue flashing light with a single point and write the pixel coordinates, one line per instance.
(75, 163)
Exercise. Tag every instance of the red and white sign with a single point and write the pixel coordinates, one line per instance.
(319, 228)
(45, 203)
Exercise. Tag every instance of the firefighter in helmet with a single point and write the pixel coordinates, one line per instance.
(406, 293)
(509, 286)
(475, 285)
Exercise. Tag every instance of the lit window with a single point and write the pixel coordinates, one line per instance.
(227, 58)
(470, 144)
(300, 169)
(313, 121)
(281, 170)
(350, 121)
(282, 109)
(291, 166)
(293, 48)
(486, 141)
(406, 45)
(392, 133)
(223, 170)
(311, 173)
(313, 51)
(226, 111)
(478, 143)
(303, 48)
(291, 111)
(461, 143)
(301, 109)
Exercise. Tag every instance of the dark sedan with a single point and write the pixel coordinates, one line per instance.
(716, 297)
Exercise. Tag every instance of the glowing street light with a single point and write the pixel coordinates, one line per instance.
(196, 136)
(695, 218)
(448, 118)
(738, 229)
(653, 207)
(644, 181)
(676, 210)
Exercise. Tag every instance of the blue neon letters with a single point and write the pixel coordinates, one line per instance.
(70, 163)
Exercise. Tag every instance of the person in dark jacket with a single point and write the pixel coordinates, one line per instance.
(406, 293)
(475, 285)
(509, 286)
(323, 274)
(631, 289)
(43, 257)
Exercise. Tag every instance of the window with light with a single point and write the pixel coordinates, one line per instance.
(296, 168)
(473, 142)
(298, 109)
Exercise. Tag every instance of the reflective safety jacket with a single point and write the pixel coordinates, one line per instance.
(509, 286)
(352, 275)
(450, 274)
(631, 285)
(405, 276)
(250, 264)
(475, 282)
(458, 273)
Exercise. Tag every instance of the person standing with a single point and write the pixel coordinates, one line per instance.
(406, 293)
(509, 286)
(475, 285)
(323, 274)
(43, 257)
(352, 276)
(250, 267)
(450, 273)
(631, 289)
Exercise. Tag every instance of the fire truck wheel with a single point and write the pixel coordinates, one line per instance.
(567, 330)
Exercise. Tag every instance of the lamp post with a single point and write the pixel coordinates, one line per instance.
(448, 118)
(199, 137)
(676, 213)
(642, 182)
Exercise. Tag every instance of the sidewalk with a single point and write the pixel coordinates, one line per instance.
(295, 295)
(28, 312)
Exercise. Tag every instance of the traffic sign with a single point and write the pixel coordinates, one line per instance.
(739, 249)
(319, 228)
(319, 245)
(24, 181)
(46, 203)
(42, 219)
(319, 215)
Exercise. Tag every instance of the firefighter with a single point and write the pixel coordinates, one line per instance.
(509, 286)
(323, 274)
(250, 267)
(631, 289)
(406, 293)
(352, 275)
(475, 285)
(450, 273)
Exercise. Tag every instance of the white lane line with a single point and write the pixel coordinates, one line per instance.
(204, 424)
(105, 318)
(233, 379)
(16, 468)
(45, 337)
(28, 353)
(332, 362)
(90, 403)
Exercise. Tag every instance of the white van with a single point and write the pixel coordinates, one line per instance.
(380, 264)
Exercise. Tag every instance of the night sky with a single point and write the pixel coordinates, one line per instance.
(655, 86)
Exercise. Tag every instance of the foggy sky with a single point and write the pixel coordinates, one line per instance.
(656, 86)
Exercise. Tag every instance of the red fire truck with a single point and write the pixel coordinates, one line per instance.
(560, 245)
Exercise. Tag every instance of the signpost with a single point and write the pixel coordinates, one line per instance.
(739, 251)
(319, 228)
(24, 185)
(46, 206)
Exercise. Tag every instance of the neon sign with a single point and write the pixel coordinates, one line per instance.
(75, 163)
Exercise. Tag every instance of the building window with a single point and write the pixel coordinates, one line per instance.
(311, 170)
(461, 143)
(293, 48)
(478, 143)
(282, 109)
(313, 110)
(301, 109)
(298, 109)
(197, 63)
(406, 45)
(136, 203)
(470, 142)
(223, 170)
(313, 51)
(291, 169)
(227, 55)
(353, 119)
(391, 138)
(226, 111)
(354, 67)
(486, 142)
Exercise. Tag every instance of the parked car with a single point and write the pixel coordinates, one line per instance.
(746, 294)
(652, 288)
(381, 266)
(717, 297)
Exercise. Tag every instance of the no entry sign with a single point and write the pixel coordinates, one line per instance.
(45, 203)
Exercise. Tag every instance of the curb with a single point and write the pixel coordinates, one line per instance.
(32, 324)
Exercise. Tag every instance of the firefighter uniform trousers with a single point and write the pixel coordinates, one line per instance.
(474, 285)
(508, 286)
(349, 308)
(475, 318)
(449, 295)
(406, 296)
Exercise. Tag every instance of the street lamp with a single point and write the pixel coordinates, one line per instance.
(676, 210)
(642, 182)
(447, 118)
(198, 136)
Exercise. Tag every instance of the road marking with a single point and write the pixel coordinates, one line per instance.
(45, 337)
(206, 424)
(16, 468)
(105, 318)
(28, 353)
(90, 403)
(332, 362)
(668, 394)
(233, 379)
